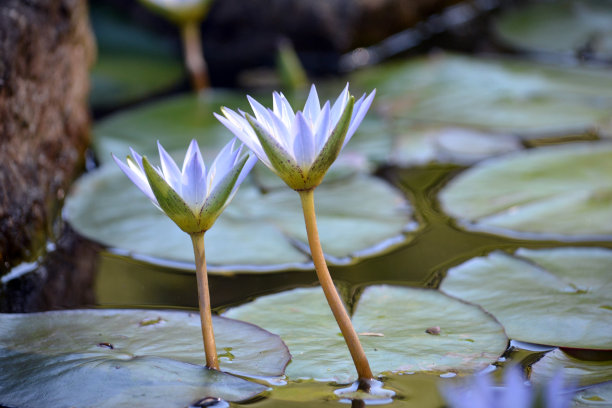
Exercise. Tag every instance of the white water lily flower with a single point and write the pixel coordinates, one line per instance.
(192, 197)
(298, 146)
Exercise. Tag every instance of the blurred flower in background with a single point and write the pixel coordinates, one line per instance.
(516, 392)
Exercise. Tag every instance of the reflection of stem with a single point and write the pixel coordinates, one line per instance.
(344, 322)
(194, 54)
(204, 302)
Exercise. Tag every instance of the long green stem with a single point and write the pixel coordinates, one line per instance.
(194, 55)
(344, 322)
(204, 302)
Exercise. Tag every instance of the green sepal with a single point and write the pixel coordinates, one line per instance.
(217, 199)
(170, 202)
(332, 147)
(286, 168)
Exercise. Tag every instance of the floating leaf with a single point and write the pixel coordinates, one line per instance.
(358, 216)
(574, 371)
(559, 296)
(531, 100)
(132, 63)
(173, 122)
(559, 192)
(392, 323)
(543, 28)
(126, 358)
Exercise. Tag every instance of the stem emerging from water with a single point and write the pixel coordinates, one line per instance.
(204, 302)
(344, 322)
(194, 55)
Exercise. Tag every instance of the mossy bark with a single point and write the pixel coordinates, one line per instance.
(46, 50)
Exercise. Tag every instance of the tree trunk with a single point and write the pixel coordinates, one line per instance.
(46, 50)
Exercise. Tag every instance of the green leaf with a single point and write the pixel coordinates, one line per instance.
(558, 297)
(392, 323)
(174, 122)
(574, 371)
(543, 28)
(358, 217)
(504, 96)
(126, 358)
(559, 192)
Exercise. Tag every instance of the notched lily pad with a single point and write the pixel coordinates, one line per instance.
(559, 297)
(358, 216)
(530, 194)
(126, 358)
(575, 371)
(392, 323)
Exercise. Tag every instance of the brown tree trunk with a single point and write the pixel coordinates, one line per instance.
(46, 50)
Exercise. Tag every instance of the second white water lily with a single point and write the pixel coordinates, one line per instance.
(299, 146)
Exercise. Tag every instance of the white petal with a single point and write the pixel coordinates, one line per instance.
(303, 145)
(172, 174)
(223, 163)
(193, 177)
(138, 178)
(245, 171)
(359, 111)
(338, 107)
(241, 129)
(312, 108)
(283, 109)
(261, 113)
(281, 133)
(322, 128)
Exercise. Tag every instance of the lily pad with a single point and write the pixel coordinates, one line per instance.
(126, 358)
(132, 62)
(533, 193)
(396, 327)
(358, 216)
(559, 296)
(504, 96)
(575, 371)
(543, 28)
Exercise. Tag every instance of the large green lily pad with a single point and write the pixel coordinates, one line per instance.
(559, 192)
(358, 216)
(566, 28)
(126, 358)
(559, 296)
(392, 322)
(132, 63)
(531, 100)
(575, 371)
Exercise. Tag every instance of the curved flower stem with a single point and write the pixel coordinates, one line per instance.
(204, 302)
(194, 55)
(344, 322)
